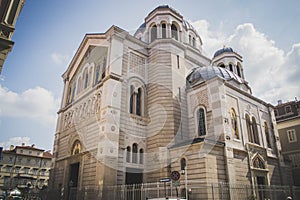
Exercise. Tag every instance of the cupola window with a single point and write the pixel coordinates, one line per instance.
(153, 33)
(163, 31)
(174, 31)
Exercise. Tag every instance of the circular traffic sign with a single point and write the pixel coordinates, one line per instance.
(175, 175)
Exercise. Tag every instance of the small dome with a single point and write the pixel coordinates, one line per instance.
(200, 74)
(188, 26)
(223, 50)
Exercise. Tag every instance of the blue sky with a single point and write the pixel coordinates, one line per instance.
(48, 33)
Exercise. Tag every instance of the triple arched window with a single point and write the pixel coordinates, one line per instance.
(136, 100)
(134, 156)
(164, 30)
(201, 119)
(252, 129)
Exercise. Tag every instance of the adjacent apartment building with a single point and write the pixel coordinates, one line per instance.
(136, 108)
(24, 167)
(288, 124)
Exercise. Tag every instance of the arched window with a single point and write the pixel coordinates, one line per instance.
(174, 31)
(138, 102)
(201, 122)
(255, 131)
(141, 156)
(128, 152)
(249, 130)
(182, 164)
(103, 68)
(136, 97)
(86, 79)
(76, 149)
(222, 65)
(153, 33)
(238, 69)
(267, 134)
(194, 42)
(131, 99)
(230, 67)
(97, 74)
(234, 124)
(163, 31)
(134, 153)
(190, 39)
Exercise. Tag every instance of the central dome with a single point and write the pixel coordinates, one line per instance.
(201, 74)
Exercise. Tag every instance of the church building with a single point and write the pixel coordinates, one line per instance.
(136, 108)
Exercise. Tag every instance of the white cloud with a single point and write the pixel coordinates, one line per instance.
(60, 59)
(271, 73)
(16, 141)
(37, 103)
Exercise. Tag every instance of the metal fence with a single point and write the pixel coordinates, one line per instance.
(177, 190)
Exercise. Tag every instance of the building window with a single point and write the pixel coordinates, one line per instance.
(178, 66)
(19, 160)
(190, 39)
(194, 42)
(222, 65)
(267, 133)
(153, 33)
(174, 32)
(10, 159)
(26, 170)
(8, 168)
(128, 152)
(21, 151)
(134, 152)
(30, 152)
(252, 130)
(164, 31)
(291, 134)
(28, 161)
(201, 122)
(35, 171)
(141, 156)
(288, 109)
(231, 67)
(255, 131)
(234, 124)
(86, 79)
(136, 101)
(238, 69)
(182, 164)
(17, 169)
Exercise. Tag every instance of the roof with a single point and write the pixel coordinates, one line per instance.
(201, 74)
(223, 50)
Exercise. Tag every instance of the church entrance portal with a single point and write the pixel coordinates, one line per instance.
(261, 182)
(133, 176)
(73, 180)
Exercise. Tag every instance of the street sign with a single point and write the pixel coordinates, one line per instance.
(165, 180)
(175, 175)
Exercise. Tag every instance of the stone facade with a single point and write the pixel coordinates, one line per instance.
(136, 108)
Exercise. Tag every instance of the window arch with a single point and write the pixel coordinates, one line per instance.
(134, 152)
(182, 164)
(234, 123)
(164, 30)
(141, 156)
(174, 31)
(76, 148)
(128, 153)
(201, 122)
(153, 33)
(267, 133)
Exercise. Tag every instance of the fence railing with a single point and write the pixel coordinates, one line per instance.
(179, 190)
